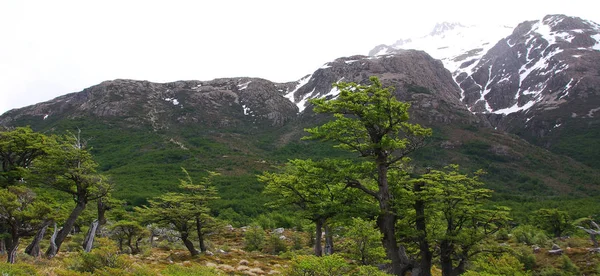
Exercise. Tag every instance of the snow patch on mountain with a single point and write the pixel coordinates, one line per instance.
(597, 38)
(290, 96)
(453, 43)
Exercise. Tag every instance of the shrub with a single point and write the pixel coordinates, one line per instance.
(275, 245)
(18, 269)
(105, 256)
(505, 264)
(366, 270)
(318, 266)
(195, 270)
(297, 241)
(530, 235)
(254, 238)
(363, 242)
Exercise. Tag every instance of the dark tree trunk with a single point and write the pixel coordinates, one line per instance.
(102, 208)
(386, 221)
(318, 235)
(188, 244)
(120, 245)
(129, 240)
(12, 248)
(399, 263)
(446, 258)
(137, 245)
(328, 240)
(88, 242)
(64, 232)
(33, 249)
(3, 246)
(420, 223)
(200, 235)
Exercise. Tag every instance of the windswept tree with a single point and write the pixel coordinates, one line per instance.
(458, 222)
(370, 121)
(19, 148)
(70, 168)
(316, 189)
(22, 215)
(185, 212)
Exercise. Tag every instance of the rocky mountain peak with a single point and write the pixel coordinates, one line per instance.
(221, 102)
(443, 27)
(416, 76)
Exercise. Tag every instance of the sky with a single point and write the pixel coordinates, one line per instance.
(51, 48)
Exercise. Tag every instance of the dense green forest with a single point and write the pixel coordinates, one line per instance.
(361, 194)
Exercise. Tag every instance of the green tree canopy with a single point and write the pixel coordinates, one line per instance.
(369, 120)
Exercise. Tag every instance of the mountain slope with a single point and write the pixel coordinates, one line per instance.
(143, 132)
(540, 81)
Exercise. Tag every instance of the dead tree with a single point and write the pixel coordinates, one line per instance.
(593, 232)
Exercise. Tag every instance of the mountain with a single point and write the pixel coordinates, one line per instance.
(142, 133)
(540, 81)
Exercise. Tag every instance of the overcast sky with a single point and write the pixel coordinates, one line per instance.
(51, 48)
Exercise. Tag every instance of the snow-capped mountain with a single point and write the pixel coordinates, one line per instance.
(452, 43)
(538, 66)
(503, 70)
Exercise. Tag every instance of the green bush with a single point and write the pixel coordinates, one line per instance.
(367, 270)
(254, 238)
(332, 265)
(105, 256)
(195, 270)
(530, 235)
(363, 243)
(505, 264)
(297, 242)
(274, 245)
(18, 269)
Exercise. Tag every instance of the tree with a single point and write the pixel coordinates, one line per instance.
(129, 232)
(554, 221)
(184, 211)
(19, 148)
(71, 169)
(363, 242)
(369, 120)
(593, 230)
(463, 223)
(23, 215)
(315, 189)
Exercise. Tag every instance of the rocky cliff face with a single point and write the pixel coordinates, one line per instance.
(219, 103)
(416, 76)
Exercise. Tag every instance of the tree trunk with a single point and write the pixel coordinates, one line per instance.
(64, 232)
(137, 245)
(3, 246)
(421, 226)
(446, 258)
(386, 221)
(200, 235)
(318, 234)
(129, 240)
(328, 240)
(12, 248)
(88, 242)
(52, 249)
(188, 244)
(399, 263)
(33, 249)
